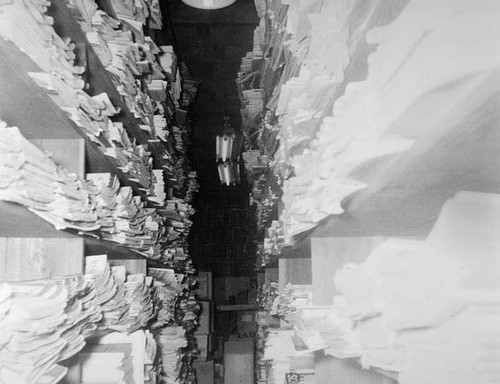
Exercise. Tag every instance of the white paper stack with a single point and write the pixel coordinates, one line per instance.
(177, 258)
(131, 222)
(157, 89)
(169, 341)
(129, 354)
(278, 349)
(126, 300)
(31, 178)
(189, 89)
(127, 220)
(188, 312)
(192, 186)
(42, 323)
(25, 23)
(35, 312)
(139, 299)
(168, 61)
(106, 364)
(119, 44)
(368, 289)
(176, 214)
(168, 286)
(457, 302)
(108, 294)
(159, 194)
(359, 130)
(430, 309)
(82, 314)
(155, 16)
(273, 243)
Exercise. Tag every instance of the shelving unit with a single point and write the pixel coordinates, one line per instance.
(32, 249)
(373, 127)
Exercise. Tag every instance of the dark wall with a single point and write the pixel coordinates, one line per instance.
(212, 44)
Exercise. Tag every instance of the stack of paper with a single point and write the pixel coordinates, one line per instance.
(420, 307)
(368, 289)
(109, 296)
(128, 222)
(277, 351)
(119, 44)
(176, 214)
(274, 241)
(169, 341)
(155, 16)
(357, 130)
(30, 177)
(35, 312)
(106, 363)
(43, 322)
(23, 23)
(104, 187)
(82, 313)
(139, 298)
(188, 310)
(162, 155)
(168, 61)
(157, 89)
(159, 194)
(177, 258)
(129, 356)
(457, 300)
(126, 300)
(189, 91)
(140, 12)
(192, 186)
(168, 286)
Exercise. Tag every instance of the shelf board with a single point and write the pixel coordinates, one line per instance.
(330, 254)
(24, 104)
(33, 258)
(95, 246)
(331, 370)
(18, 221)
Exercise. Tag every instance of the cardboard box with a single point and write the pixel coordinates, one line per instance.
(205, 372)
(205, 323)
(247, 322)
(204, 288)
(238, 361)
(202, 344)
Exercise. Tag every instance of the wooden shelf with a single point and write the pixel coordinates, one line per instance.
(18, 221)
(329, 254)
(330, 370)
(33, 258)
(95, 246)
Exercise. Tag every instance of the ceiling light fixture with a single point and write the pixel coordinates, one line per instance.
(209, 4)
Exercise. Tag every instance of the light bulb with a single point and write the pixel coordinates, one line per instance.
(209, 4)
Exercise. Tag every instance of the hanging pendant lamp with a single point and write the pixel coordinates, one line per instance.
(209, 4)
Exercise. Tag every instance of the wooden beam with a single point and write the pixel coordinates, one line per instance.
(237, 307)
